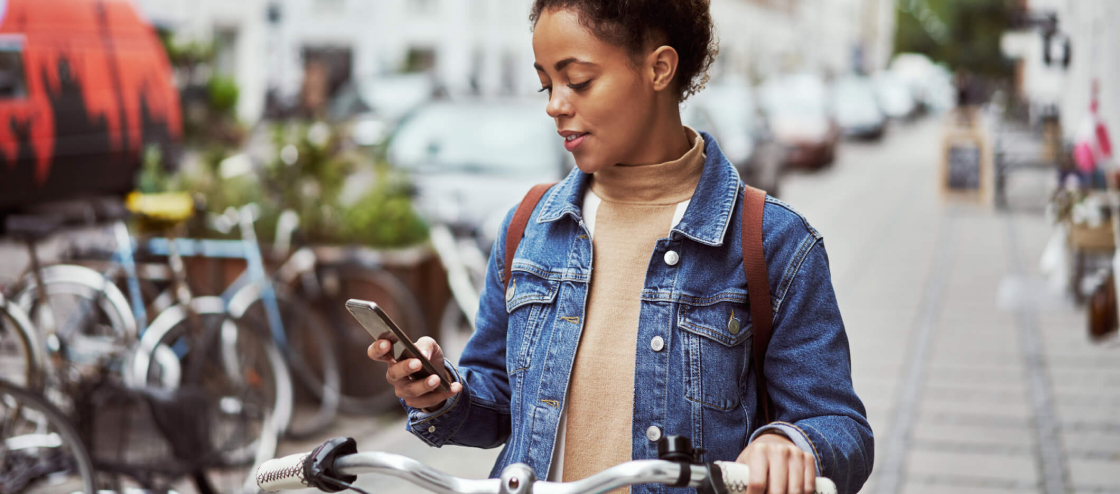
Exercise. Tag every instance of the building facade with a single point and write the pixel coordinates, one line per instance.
(485, 46)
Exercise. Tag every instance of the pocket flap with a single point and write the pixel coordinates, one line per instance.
(528, 288)
(726, 322)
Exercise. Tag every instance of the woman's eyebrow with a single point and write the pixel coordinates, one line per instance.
(564, 63)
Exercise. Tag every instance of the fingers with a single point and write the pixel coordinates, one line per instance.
(760, 464)
(810, 473)
(430, 349)
(424, 394)
(779, 469)
(795, 475)
(380, 351)
(400, 371)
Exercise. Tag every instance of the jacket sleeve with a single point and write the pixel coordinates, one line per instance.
(479, 415)
(809, 377)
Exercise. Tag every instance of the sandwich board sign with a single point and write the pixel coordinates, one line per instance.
(966, 161)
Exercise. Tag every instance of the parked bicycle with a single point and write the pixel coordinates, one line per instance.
(39, 450)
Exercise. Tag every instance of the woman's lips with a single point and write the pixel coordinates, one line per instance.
(572, 144)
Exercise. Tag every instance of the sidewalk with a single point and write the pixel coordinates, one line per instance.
(977, 379)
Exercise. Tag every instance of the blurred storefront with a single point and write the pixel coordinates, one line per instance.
(1062, 46)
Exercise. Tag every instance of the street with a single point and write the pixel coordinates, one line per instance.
(977, 379)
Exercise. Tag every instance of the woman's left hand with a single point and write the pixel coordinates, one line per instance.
(778, 466)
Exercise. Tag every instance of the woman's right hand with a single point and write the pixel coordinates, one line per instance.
(416, 393)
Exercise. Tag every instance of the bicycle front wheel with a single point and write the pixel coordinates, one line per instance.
(41, 451)
(341, 282)
(242, 373)
(21, 358)
(309, 349)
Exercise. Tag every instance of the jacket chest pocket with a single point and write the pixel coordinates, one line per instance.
(716, 347)
(529, 302)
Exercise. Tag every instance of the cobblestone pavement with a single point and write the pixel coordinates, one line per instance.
(977, 378)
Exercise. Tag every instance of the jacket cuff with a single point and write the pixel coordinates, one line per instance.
(793, 433)
(437, 427)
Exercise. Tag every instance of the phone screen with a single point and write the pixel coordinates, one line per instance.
(380, 330)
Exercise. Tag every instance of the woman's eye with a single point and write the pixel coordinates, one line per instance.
(546, 88)
(581, 86)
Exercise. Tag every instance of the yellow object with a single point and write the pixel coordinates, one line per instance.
(173, 207)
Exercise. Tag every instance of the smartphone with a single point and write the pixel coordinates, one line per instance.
(380, 327)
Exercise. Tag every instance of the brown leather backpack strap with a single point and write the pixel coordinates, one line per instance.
(517, 225)
(758, 288)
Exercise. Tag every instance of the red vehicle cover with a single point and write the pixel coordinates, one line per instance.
(85, 86)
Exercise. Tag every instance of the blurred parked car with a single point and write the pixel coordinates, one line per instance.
(894, 96)
(800, 117)
(374, 106)
(473, 160)
(857, 111)
(728, 111)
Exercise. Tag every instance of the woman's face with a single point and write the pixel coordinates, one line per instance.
(595, 92)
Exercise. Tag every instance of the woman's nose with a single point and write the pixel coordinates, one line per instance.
(558, 106)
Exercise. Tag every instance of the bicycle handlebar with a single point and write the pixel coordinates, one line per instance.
(329, 463)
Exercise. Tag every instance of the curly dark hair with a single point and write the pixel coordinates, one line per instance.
(685, 25)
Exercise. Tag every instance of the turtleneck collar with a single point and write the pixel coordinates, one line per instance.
(661, 183)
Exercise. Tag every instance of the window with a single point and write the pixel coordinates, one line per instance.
(13, 84)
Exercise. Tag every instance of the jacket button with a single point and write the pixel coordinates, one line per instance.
(733, 325)
(657, 343)
(672, 258)
(653, 433)
(511, 290)
(431, 428)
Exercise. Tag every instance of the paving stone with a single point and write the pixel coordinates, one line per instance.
(1000, 468)
(1097, 441)
(1009, 410)
(1081, 413)
(1095, 473)
(936, 488)
(974, 435)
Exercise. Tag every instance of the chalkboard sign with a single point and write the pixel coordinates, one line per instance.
(964, 167)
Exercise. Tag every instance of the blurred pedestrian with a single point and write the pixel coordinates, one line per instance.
(624, 314)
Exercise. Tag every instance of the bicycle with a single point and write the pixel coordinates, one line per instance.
(39, 448)
(258, 298)
(465, 263)
(325, 279)
(252, 299)
(335, 465)
(239, 368)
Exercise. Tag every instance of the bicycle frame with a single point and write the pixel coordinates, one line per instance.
(254, 281)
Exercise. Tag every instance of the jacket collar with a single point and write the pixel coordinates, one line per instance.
(708, 214)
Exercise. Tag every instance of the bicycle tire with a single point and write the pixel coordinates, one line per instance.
(83, 281)
(21, 355)
(57, 424)
(454, 331)
(171, 327)
(310, 354)
(340, 282)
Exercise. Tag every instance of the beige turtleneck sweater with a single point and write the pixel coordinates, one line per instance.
(626, 209)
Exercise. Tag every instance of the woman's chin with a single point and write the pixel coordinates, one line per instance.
(590, 165)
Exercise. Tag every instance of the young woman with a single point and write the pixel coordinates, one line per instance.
(626, 314)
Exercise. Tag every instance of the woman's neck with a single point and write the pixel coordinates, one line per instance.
(665, 141)
(667, 182)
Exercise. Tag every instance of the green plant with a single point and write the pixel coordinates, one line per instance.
(223, 94)
(308, 175)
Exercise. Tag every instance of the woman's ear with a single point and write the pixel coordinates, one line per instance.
(663, 65)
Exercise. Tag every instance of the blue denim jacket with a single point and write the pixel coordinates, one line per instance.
(699, 383)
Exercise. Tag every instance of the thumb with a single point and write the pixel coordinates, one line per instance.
(429, 348)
